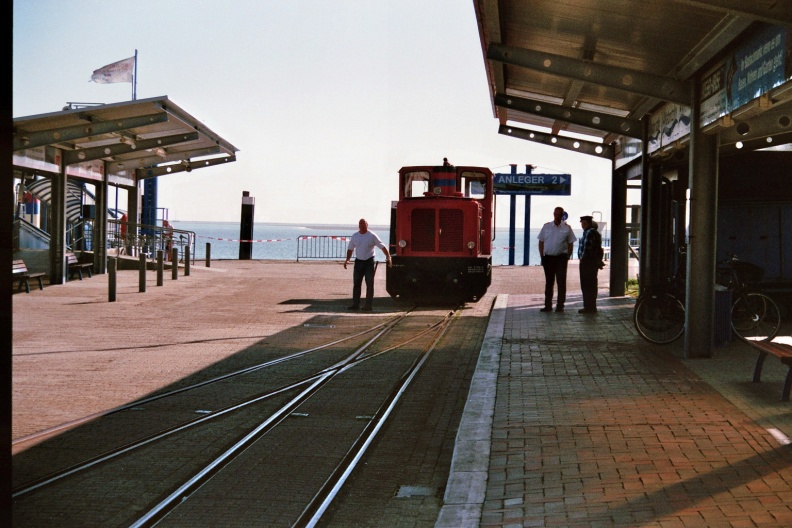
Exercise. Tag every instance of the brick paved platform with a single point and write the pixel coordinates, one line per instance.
(579, 422)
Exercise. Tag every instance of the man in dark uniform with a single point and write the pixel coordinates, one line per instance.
(590, 255)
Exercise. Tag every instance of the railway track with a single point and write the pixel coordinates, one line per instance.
(323, 411)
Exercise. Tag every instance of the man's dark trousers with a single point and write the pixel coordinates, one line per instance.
(589, 268)
(363, 269)
(555, 269)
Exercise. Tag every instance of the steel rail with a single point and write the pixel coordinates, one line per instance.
(76, 468)
(176, 498)
(136, 403)
(312, 514)
(71, 470)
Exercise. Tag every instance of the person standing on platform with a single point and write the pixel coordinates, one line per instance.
(123, 225)
(555, 246)
(590, 254)
(167, 236)
(363, 244)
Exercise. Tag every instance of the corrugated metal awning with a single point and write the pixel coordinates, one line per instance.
(597, 68)
(138, 139)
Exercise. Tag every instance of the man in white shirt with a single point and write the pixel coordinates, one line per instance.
(363, 243)
(555, 246)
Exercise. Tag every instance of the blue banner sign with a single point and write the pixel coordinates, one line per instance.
(760, 64)
(533, 184)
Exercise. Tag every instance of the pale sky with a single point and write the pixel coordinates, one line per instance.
(325, 99)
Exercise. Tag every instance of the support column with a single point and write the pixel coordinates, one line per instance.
(699, 312)
(58, 273)
(133, 204)
(619, 254)
(644, 248)
(527, 231)
(100, 227)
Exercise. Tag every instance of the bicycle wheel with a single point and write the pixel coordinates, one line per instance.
(659, 318)
(755, 317)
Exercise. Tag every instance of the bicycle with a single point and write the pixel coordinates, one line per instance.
(659, 316)
(754, 315)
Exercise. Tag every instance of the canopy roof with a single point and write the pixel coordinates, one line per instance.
(138, 139)
(597, 68)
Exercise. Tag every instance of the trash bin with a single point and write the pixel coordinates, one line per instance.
(723, 303)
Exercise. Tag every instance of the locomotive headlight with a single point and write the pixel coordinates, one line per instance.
(471, 245)
(402, 243)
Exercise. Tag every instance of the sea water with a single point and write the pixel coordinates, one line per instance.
(279, 241)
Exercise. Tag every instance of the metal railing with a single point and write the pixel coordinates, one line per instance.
(321, 247)
(149, 240)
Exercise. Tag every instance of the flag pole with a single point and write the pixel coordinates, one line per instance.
(134, 79)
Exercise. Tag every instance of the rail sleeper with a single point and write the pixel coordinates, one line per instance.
(780, 350)
(21, 273)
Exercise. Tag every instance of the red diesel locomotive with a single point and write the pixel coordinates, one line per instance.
(441, 233)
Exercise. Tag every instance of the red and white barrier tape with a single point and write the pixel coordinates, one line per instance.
(342, 238)
(235, 240)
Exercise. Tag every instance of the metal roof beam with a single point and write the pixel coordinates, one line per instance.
(575, 145)
(187, 166)
(93, 153)
(624, 126)
(657, 86)
(777, 12)
(178, 115)
(152, 160)
(24, 139)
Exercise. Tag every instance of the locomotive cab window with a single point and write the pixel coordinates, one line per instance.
(416, 184)
(474, 184)
(474, 189)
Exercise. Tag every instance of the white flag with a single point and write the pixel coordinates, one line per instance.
(120, 71)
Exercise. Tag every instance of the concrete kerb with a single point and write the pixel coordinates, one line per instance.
(467, 481)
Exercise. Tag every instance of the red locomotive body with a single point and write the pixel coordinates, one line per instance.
(441, 233)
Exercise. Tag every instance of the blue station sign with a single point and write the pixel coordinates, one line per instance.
(533, 184)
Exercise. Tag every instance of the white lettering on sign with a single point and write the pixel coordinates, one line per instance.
(527, 179)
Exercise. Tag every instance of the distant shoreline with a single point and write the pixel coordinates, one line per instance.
(353, 227)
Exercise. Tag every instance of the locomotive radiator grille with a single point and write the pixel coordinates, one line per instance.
(435, 230)
(422, 224)
(451, 230)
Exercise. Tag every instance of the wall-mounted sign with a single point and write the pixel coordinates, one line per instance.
(763, 62)
(541, 184)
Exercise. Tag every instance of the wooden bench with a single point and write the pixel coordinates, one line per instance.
(76, 265)
(780, 350)
(21, 273)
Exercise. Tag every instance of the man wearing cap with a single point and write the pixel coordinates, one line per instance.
(590, 255)
(555, 245)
